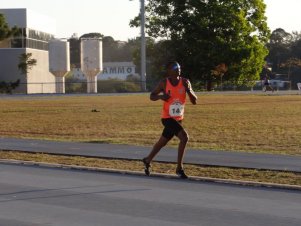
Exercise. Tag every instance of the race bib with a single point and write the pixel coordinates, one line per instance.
(176, 109)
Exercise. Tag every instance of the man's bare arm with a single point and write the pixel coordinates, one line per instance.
(192, 96)
(155, 94)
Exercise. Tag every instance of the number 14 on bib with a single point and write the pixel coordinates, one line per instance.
(176, 109)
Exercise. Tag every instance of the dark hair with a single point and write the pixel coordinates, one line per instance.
(170, 63)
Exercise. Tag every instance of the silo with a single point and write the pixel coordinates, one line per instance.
(91, 61)
(59, 62)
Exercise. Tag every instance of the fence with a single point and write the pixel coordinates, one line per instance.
(118, 86)
(248, 86)
(103, 86)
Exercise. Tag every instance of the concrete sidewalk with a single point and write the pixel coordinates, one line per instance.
(203, 157)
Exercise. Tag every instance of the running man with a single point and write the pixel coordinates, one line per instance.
(172, 90)
(267, 86)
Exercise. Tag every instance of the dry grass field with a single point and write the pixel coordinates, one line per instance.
(250, 123)
(167, 168)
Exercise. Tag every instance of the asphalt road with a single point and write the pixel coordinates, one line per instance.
(35, 196)
(203, 157)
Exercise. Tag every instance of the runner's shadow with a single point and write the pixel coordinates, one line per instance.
(50, 189)
(70, 195)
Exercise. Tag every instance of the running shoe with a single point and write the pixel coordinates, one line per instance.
(147, 167)
(181, 173)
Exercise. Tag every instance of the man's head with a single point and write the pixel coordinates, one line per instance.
(173, 69)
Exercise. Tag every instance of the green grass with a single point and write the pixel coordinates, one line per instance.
(249, 123)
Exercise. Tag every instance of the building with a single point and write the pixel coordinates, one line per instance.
(35, 32)
(111, 70)
(118, 70)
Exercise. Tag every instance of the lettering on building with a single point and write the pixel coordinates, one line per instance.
(118, 70)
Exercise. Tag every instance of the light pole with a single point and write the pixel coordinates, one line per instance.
(143, 46)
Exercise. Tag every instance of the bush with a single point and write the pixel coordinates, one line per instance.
(117, 86)
(8, 87)
(74, 85)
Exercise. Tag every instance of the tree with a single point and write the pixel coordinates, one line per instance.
(92, 35)
(203, 34)
(116, 51)
(289, 65)
(110, 48)
(26, 62)
(279, 48)
(219, 72)
(285, 55)
(8, 87)
(5, 31)
(296, 48)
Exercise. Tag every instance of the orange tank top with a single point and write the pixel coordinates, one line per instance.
(174, 107)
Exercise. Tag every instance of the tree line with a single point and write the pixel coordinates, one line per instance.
(214, 41)
(284, 58)
(219, 39)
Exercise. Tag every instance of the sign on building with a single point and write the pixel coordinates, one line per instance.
(117, 70)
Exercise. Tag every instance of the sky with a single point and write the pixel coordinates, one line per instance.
(112, 17)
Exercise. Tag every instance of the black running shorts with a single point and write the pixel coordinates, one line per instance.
(172, 127)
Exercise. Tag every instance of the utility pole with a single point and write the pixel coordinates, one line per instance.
(143, 47)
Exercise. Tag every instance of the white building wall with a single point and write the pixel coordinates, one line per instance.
(59, 57)
(39, 78)
(91, 55)
(9, 60)
(91, 61)
(26, 18)
(59, 62)
(111, 70)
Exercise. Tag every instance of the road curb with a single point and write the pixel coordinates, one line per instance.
(139, 159)
(158, 175)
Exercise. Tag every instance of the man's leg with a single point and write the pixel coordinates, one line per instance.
(183, 136)
(156, 148)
